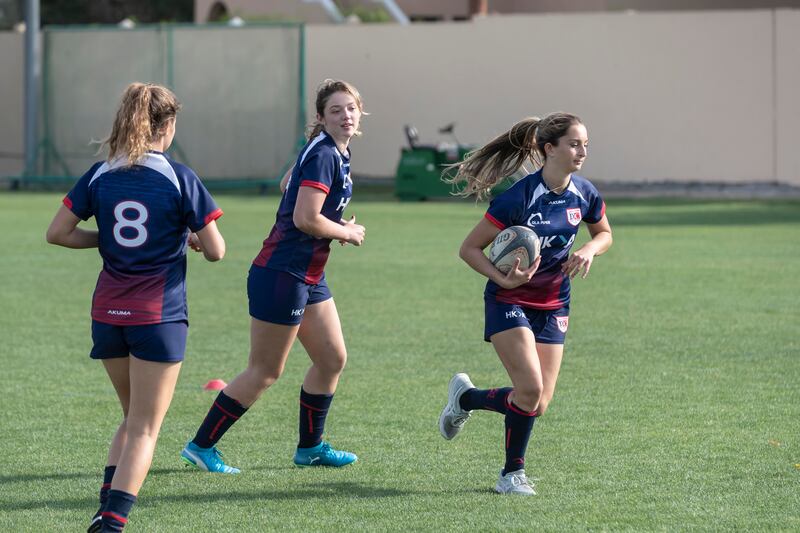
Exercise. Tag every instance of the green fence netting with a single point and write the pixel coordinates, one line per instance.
(241, 89)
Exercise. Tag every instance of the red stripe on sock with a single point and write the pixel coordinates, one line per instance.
(304, 404)
(508, 437)
(214, 431)
(115, 516)
(517, 410)
(226, 412)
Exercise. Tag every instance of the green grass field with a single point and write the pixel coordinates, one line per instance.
(678, 405)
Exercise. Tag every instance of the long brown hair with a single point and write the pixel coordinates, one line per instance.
(142, 115)
(326, 89)
(501, 157)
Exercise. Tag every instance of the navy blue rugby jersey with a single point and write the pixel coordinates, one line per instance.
(144, 214)
(322, 166)
(555, 218)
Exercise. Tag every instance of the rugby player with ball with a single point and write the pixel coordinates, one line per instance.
(527, 294)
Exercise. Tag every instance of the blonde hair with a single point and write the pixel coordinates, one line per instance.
(142, 115)
(326, 89)
(501, 157)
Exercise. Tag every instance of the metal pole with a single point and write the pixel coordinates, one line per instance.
(394, 10)
(33, 74)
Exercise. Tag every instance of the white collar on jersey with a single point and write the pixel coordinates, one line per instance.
(542, 189)
(152, 160)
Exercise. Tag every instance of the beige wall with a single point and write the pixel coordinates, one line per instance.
(693, 96)
(12, 103)
(666, 96)
(787, 92)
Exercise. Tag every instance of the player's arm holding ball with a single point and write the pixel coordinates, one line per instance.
(471, 252)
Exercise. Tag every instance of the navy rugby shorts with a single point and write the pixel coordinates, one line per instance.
(548, 326)
(161, 343)
(281, 298)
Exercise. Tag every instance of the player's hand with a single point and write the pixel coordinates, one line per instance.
(194, 242)
(355, 232)
(578, 263)
(517, 277)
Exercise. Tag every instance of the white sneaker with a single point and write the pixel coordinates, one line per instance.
(453, 416)
(515, 483)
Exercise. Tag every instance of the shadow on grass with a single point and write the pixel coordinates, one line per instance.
(55, 476)
(310, 492)
(676, 212)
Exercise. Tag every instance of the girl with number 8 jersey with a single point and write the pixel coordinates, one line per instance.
(148, 210)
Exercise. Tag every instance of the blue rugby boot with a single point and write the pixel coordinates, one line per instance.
(323, 455)
(208, 459)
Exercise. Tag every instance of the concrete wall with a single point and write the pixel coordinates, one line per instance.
(787, 91)
(686, 96)
(690, 96)
(12, 103)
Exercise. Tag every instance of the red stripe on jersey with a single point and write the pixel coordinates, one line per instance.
(270, 243)
(214, 215)
(494, 221)
(602, 212)
(319, 256)
(542, 292)
(67, 202)
(316, 185)
(128, 300)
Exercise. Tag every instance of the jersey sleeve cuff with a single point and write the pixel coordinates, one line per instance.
(316, 185)
(212, 216)
(494, 221)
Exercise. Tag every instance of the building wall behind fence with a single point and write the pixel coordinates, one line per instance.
(12, 103)
(787, 95)
(687, 96)
(707, 96)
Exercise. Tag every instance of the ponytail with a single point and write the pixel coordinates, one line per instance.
(142, 115)
(483, 168)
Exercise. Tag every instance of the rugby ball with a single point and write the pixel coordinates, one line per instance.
(512, 243)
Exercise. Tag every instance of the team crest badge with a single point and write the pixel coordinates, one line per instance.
(563, 323)
(574, 216)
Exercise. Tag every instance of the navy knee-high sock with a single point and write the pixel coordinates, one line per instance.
(116, 511)
(519, 424)
(488, 399)
(108, 476)
(313, 411)
(222, 415)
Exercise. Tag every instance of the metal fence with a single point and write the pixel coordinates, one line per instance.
(241, 89)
